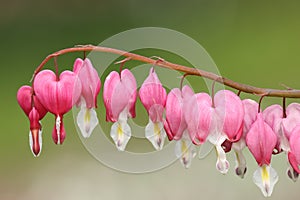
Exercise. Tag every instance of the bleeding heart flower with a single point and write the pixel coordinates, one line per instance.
(216, 120)
(261, 140)
(58, 95)
(87, 117)
(35, 111)
(250, 110)
(119, 94)
(153, 96)
(283, 125)
(176, 125)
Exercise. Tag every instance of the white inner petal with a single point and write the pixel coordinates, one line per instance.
(120, 131)
(87, 120)
(185, 150)
(265, 178)
(240, 163)
(222, 164)
(156, 134)
(57, 123)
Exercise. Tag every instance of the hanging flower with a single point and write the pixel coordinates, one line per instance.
(261, 140)
(87, 117)
(119, 94)
(216, 120)
(250, 110)
(153, 96)
(283, 125)
(58, 95)
(35, 111)
(176, 124)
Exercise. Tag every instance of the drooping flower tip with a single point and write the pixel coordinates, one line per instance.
(119, 95)
(57, 96)
(153, 97)
(265, 177)
(35, 111)
(119, 91)
(87, 117)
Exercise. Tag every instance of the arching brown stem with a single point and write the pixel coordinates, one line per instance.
(187, 70)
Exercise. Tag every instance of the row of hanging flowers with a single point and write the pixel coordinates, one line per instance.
(191, 119)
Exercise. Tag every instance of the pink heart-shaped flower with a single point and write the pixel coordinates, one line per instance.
(225, 117)
(35, 111)
(58, 95)
(119, 92)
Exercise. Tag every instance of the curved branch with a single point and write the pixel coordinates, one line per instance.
(289, 93)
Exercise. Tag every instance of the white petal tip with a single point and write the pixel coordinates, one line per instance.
(222, 166)
(87, 121)
(185, 151)
(156, 134)
(265, 178)
(120, 133)
(35, 143)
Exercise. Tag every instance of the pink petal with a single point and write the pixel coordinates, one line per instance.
(110, 83)
(34, 118)
(294, 153)
(261, 141)
(292, 119)
(58, 96)
(129, 82)
(90, 81)
(119, 93)
(25, 101)
(77, 65)
(198, 114)
(293, 161)
(250, 110)
(174, 115)
(273, 116)
(168, 130)
(153, 96)
(187, 92)
(230, 109)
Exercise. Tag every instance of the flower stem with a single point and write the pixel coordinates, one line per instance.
(188, 70)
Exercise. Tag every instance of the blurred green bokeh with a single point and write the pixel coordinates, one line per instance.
(253, 42)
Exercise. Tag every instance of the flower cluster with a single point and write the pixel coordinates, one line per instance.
(191, 119)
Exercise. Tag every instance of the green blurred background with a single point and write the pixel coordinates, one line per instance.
(253, 42)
